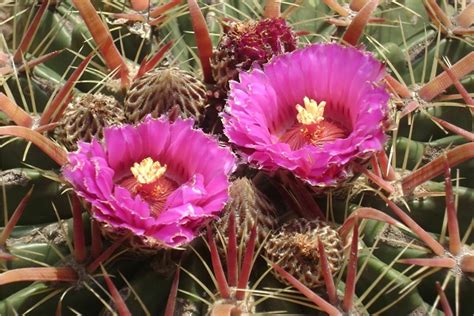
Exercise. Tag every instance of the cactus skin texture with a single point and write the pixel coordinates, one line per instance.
(395, 238)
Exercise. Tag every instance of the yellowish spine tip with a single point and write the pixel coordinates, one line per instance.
(148, 171)
(311, 113)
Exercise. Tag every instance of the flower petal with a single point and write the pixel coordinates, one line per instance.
(95, 170)
(262, 107)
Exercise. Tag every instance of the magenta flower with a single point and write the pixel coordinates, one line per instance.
(313, 111)
(161, 181)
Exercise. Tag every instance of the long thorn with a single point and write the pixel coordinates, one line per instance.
(313, 297)
(58, 103)
(291, 8)
(454, 129)
(6, 256)
(439, 13)
(466, 17)
(397, 87)
(387, 170)
(453, 227)
(386, 186)
(460, 31)
(438, 84)
(147, 65)
(15, 218)
(333, 4)
(170, 305)
(217, 266)
(357, 5)
(327, 275)
(246, 264)
(103, 39)
(119, 303)
(359, 22)
(14, 112)
(272, 9)
(62, 274)
(232, 251)
(30, 33)
(157, 21)
(203, 40)
(365, 213)
(163, 8)
(30, 64)
(47, 146)
(443, 300)
(434, 245)
(96, 239)
(106, 254)
(78, 230)
(430, 262)
(465, 95)
(131, 17)
(348, 302)
(374, 163)
(435, 167)
(309, 208)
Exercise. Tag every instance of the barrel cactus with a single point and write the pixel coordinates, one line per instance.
(227, 157)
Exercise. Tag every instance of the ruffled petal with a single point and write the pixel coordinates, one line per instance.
(262, 107)
(197, 162)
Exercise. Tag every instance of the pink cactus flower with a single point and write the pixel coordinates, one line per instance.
(161, 181)
(313, 112)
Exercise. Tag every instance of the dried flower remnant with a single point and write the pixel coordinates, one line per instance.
(248, 42)
(86, 117)
(295, 248)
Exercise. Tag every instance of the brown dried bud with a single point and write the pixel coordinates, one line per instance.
(163, 90)
(295, 248)
(86, 117)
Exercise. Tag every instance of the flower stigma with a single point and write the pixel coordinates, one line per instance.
(311, 127)
(311, 113)
(148, 171)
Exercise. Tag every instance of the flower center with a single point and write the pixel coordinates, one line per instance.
(148, 171)
(150, 182)
(311, 113)
(311, 126)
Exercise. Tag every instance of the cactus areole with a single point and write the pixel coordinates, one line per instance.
(313, 111)
(148, 179)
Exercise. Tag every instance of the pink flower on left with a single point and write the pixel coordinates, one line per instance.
(159, 180)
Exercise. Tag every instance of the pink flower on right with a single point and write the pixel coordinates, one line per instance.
(313, 112)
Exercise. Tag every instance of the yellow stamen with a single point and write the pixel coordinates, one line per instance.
(311, 113)
(148, 171)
